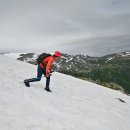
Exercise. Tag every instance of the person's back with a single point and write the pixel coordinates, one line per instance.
(47, 62)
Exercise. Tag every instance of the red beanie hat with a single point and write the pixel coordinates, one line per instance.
(57, 53)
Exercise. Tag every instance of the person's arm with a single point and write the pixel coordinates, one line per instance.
(48, 67)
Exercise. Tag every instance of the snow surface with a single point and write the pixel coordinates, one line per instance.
(108, 59)
(74, 104)
(125, 55)
(69, 59)
(13, 55)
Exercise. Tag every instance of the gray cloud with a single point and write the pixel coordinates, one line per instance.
(76, 26)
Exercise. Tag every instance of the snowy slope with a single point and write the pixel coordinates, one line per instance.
(13, 55)
(73, 105)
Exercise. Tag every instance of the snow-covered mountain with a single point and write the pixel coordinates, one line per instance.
(74, 104)
(73, 62)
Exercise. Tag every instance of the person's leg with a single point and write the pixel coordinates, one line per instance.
(47, 80)
(39, 75)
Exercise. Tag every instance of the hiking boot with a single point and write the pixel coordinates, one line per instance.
(48, 90)
(26, 83)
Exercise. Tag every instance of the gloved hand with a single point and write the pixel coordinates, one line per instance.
(48, 73)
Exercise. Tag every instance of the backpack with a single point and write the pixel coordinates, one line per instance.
(41, 57)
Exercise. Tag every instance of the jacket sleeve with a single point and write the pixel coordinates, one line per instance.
(48, 67)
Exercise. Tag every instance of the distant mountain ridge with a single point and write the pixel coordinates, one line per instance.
(112, 70)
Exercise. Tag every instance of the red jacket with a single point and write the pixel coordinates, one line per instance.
(47, 62)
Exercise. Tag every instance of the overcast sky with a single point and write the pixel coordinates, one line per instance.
(93, 27)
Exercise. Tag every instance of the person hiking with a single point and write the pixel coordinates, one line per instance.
(44, 67)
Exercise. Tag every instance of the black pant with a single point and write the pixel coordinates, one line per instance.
(40, 72)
